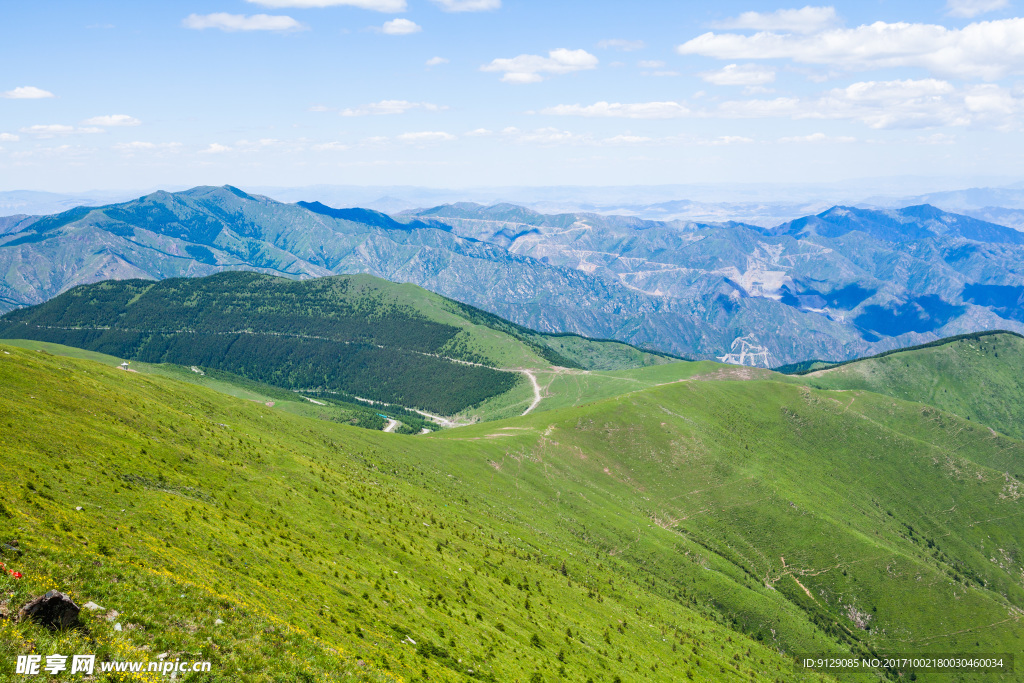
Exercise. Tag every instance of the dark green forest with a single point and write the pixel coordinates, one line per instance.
(316, 335)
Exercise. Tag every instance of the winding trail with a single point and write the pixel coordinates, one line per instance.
(392, 425)
(536, 390)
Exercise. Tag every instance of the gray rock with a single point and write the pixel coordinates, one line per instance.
(53, 610)
(111, 615)
(117, 627)
(217, 622)
(91, 606)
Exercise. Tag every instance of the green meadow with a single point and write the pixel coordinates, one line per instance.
(669, 523)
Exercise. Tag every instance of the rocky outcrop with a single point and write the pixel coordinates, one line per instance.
(54, 611)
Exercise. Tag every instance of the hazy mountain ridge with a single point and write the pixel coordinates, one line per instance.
(843, 283)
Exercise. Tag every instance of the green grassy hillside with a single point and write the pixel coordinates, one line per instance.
(354, 336)
(975, 376)
(322, 406)
(697, 529)
(325, 550)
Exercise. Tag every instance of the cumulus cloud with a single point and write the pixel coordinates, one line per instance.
(543, 136)
(468, 5)
(924, 103)
(817, 137)
(740, 74)
(136, 146)
(651, 64)
(112, 120)
(9, 137)
(805, 20)
(28, 92)
(215, 148)
(426, 136)
(621, 44)
(972, 8)
(636, 110)
(241, 22)
(726, 140)
(987, 50)
(626, 140)
(435, 61)
(330, 147)
(479, 132)
(400, 27)
(375, 5)
(385, 107)
(530, 68)
(53, 130)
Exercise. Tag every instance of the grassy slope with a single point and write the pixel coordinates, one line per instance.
(563, 388)
(318, 545)
(979, 379)
(672, 508)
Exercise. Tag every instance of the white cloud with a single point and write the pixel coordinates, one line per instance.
(637, 110)
(241, 22)
(468, 5)
(805, 20)
(650, 64)
(937, 139)
(130, 148)
(529, 68)
(758, 109)
(28, 92)
(972, 8)
(330, 147)
(626, 140)
(57, 129)
(740, 74)
(726, 140)
(925, 103)
(479, 132)
(426, 136)
(375, 5)
(318, 108)
(621, 44)
(400, 27)
(215, 148)
(435, 61)
(112, 120)
(987, 50)
(385, 107)
(8, 137)
(543, 136)
(816, 138)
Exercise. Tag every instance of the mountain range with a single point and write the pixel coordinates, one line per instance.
(842, 283)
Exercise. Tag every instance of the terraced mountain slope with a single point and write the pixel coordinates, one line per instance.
(694, 529)
(846, 282)
(346, 336)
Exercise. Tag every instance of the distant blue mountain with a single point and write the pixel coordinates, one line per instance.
(841, 283)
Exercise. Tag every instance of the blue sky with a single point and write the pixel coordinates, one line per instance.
(459, 93)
